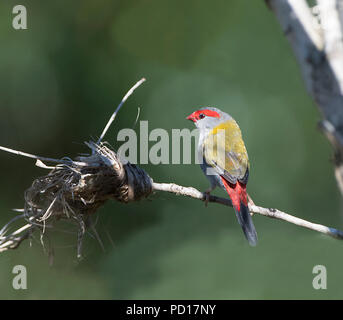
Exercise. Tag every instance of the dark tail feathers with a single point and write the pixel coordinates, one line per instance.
(245, 220)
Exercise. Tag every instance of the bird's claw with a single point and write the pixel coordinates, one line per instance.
(207, 197)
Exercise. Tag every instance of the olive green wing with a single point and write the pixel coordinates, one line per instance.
(225, 152)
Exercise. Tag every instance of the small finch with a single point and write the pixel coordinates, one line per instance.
(225, 161)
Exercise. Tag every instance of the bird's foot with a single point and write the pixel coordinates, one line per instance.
(207, 196)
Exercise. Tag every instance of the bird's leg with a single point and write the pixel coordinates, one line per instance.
(208, 193)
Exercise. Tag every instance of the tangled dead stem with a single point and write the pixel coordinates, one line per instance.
(75, 189)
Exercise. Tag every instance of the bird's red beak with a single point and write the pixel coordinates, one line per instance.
(191, 117)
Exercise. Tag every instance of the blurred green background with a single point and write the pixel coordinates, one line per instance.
(60, 81)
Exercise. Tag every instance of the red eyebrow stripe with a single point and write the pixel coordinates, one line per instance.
(210, 113)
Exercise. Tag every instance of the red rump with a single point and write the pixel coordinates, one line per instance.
(237, 193)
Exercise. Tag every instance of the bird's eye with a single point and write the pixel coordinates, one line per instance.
(201, 116)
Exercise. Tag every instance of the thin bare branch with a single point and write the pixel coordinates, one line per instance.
(32, 156)
(128, 94)
(254, 209)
